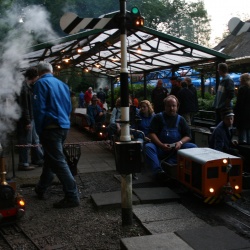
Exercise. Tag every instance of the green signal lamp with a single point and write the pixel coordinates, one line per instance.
(136, 19)
(135, 11)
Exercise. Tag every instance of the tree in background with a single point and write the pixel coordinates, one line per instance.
(184, 20)
(188, 21)
(4, 27)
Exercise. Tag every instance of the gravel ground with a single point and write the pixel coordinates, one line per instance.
(84, 227)
(87, 227)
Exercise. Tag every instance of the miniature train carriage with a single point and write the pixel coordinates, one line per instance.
(211, 174)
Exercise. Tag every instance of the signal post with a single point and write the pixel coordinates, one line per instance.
(126, 179)
(127, 152)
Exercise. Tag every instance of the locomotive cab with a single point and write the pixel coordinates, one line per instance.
(211, 174)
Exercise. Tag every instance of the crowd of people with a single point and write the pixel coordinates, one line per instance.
(166, 120)
(47, 104)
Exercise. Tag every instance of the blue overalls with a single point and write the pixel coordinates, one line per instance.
(167, 135)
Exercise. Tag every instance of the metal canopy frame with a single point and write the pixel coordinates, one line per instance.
(100, 52)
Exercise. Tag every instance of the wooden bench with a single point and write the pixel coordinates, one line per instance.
(205, 118)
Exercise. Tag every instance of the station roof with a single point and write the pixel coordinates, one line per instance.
(99, 51)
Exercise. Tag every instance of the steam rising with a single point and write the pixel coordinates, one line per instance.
(21, 36)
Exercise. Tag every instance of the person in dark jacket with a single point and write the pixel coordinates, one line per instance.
(52, 107)
(176, 85)
(159, 93)
(187, 103)
(242, 110)
(191, 87)
(225, 91)
(101, 95)
(222, 136)
(26, 130)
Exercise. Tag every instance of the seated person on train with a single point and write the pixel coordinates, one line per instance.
(114, 128)
(168, 132)
(95, 114)
(145, 115)
(222, 136)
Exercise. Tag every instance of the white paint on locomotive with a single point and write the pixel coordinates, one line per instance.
(203, 155)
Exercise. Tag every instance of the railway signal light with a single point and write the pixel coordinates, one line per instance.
(134, 18)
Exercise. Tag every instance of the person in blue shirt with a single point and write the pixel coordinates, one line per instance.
(81, 100)
(145, 115)
(52, 107)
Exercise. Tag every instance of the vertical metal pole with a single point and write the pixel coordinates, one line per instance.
(13, 158)
(126, 183)
(145, 85)
(112, 93)
(202, 85)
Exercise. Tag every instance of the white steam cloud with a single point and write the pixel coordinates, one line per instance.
(102, 83)
(35, 26)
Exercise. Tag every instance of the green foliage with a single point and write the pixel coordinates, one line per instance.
(136, 89)
(176, 17)
(187, 21)
(205, 103)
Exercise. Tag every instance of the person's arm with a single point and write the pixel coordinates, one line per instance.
(113, 115)
(229, 92)
(183, 140)
(99, 110)
(154, 138)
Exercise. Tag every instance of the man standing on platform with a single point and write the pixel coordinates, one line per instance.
(52, 107)
(26, 127)
(87, 97)
(159, 93)
(101, 95)
(224, 93)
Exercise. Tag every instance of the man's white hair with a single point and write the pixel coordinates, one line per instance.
(44, 67)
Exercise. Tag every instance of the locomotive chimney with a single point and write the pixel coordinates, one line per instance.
(2, 168)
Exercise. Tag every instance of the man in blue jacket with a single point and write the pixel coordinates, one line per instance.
(52, 107)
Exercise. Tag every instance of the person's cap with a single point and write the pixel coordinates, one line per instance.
(90, 88)
(227, 112)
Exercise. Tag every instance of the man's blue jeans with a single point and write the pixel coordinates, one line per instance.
(29, 137)
(55, 163)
